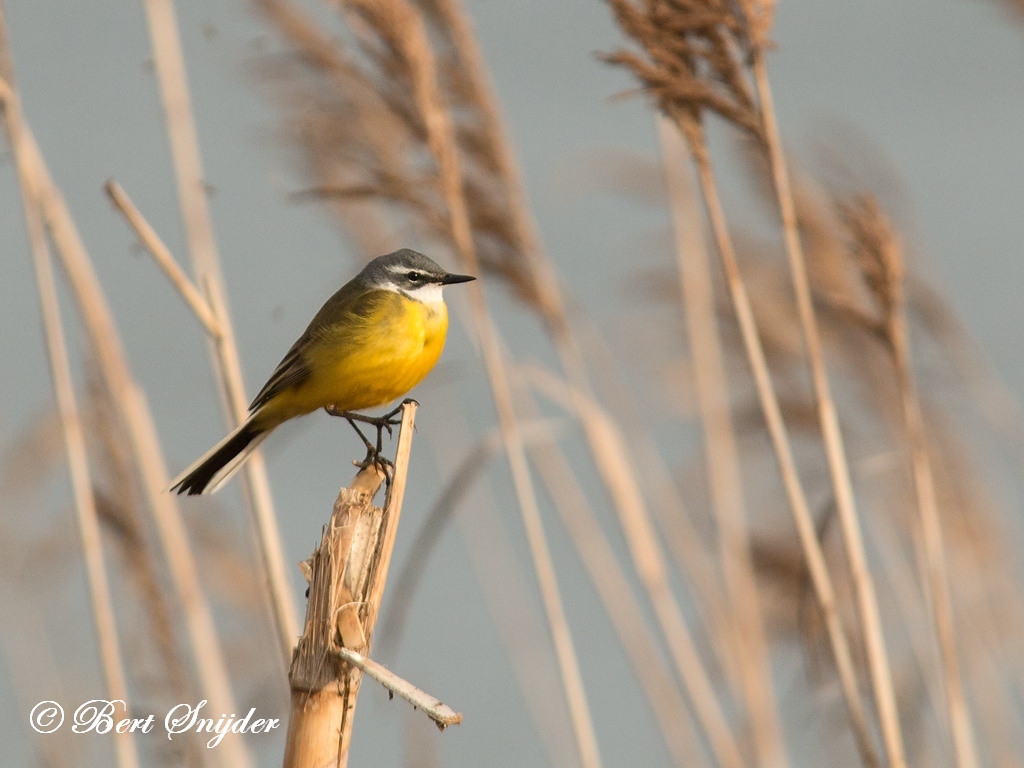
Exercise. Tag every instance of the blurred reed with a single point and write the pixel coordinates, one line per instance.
(192, 194)
(101, 604)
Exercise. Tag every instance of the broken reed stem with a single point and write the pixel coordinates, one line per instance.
(435, 709)
(802, 517)
(71, 423)
(724, 478)
(931, 526)
(323, 690)
(98, 321)
(442, 145)
(162, 256)
(181, 130)
(864, 588)
(347, 575)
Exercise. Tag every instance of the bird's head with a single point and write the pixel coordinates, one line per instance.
(411, 274)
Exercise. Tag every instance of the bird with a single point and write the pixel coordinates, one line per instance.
(370, 343)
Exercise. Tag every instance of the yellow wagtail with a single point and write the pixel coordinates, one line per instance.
(372, 342)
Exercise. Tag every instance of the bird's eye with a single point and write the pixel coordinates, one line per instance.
(414, 276)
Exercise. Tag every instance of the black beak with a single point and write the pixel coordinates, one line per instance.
(450, 279)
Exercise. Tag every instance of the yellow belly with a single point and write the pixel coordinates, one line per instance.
(370, 366)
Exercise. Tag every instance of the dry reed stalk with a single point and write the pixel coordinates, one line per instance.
(470, 67)
(988, 646)
(990, 633)
(31, 665)
(347, 575)
(649, 562)
(518, 621)
(118, 504)
(725, 480)
(820, 578)
(71, 423)
(544, 283)
(881, 258)
(994, 697)
(402, 26)
(902, 582)
(614, 466)
(134, 412)
(673, 517)
(867, 600)
(496, 206)
(881, 297)
(440, 713)
(162, 256)
(695, 64)
(324, 690)
(688, 664)
(611, 454)
(445, 506)
(358, 147)
(170, 70)
(623, 610)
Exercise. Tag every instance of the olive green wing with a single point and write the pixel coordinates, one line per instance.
(351, 303)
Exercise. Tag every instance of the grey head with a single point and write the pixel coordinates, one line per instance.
(410, 273)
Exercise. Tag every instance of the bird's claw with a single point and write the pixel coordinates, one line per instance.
(388, 422)
(373, 458)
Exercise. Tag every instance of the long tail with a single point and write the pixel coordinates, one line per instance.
(218, 464)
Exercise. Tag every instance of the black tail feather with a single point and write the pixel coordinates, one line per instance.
(196, 481)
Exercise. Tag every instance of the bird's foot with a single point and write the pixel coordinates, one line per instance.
(373, 458)
(387, 422)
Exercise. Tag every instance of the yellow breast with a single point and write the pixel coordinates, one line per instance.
(372, 360)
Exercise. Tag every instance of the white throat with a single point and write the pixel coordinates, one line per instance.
(426, 294)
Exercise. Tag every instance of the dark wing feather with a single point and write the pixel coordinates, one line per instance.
(351, 299)
(292, 370)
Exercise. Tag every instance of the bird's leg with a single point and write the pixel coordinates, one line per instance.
(373, 453)
(391, 417)
(385, 422)
(364, 438)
